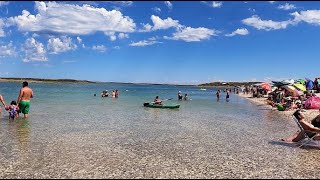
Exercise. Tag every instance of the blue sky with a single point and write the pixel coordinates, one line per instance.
(161, 41)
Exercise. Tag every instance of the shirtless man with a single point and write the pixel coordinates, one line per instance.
(3, 102)
(24, 99)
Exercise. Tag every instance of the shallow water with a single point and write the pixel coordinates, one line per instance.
(72, 134)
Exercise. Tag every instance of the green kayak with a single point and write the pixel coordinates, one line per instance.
(169, 106)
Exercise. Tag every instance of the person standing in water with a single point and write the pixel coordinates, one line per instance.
(24, 98)
(218, 94)
(2, 101)
(117, 93)
(227, 96)
(179, 95)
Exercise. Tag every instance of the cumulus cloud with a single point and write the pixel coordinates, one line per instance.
(168, 4)
(271, 2)
(309, 16)
(72, 19)
(7, 50)
(34, 51)
(57, 45)
(216, 4)
(267, 25)
(242, 31)
(99, 48)
(2, 34)
(144, 43)
(190, 34)
(287, 6)
(111, 35)
(123, 36)
(156, 9)
(160, 24)
(163, 24)
(146, 28)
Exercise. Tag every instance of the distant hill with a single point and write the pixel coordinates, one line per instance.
(45, 80)
(219, 84)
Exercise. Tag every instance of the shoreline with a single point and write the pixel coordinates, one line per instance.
(309, 114)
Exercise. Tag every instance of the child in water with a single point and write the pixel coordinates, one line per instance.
(13, 110)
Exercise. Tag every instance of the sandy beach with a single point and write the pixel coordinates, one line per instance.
(309, 114)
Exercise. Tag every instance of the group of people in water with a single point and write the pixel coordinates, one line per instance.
(22, 105)
(114, 94)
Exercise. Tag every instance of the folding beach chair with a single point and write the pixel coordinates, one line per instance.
(306, 137)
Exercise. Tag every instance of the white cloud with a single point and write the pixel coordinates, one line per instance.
(34, 51)
(271, 2)
(309, 16)
(123, 36)
(123, 3)
(111, 35)
(287, 6)
(2, 34)
(146, 28)
(3, 3)
(99, 48)
(168, 4)
(57, 45)
(267, 25)
(156, 9)
(79, 40)
(216, 4)
(7, 50)
(144, 43)
(163, 24)
(72, 19)
(242, 31)
(190, 34)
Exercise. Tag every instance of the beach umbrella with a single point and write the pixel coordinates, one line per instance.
(279, 84)
(301, 81)
(310, 85)
(312, 103)
(293, 90)
(289, 88)
(289, 81)
(300, 87)
(265, 86)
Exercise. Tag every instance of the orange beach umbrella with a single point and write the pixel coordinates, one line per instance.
(265, 86)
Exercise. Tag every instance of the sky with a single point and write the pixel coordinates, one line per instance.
(172, 42)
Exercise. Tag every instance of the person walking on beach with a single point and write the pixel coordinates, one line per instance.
(24, 98)
(2, 101)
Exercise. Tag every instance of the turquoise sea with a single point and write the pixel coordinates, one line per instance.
(72, 134)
